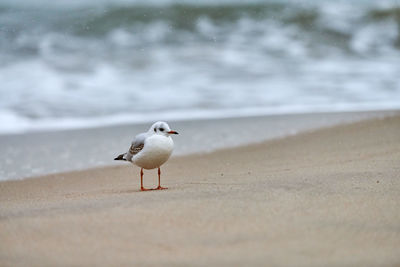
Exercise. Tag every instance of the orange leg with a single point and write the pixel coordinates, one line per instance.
(159, 181)
(141, 181)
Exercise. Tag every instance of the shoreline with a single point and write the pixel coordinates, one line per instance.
(47, 152)
(325, 197)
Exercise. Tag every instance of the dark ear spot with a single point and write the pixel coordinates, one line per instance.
(155, 129)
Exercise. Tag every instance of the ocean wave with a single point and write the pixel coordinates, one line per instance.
(86, 62)
(14, 124)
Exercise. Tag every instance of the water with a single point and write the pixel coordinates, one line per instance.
(39, 153)
(72, 64)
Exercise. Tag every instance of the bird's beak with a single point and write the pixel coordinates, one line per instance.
(172, 132)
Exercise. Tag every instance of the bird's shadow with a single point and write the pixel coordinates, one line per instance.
(129, 191)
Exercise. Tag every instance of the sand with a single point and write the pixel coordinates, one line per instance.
(328, 197)
(96, 147)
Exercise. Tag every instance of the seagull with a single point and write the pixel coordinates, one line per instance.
(150, 150)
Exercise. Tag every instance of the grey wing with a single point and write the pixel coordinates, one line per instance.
(136, 146)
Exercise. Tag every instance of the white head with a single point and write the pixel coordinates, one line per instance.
(161, 128)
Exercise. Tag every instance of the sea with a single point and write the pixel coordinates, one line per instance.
(70, 64)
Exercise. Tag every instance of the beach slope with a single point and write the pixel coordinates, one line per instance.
(327, 197)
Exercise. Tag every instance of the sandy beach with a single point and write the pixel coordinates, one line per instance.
(96, 147)
(326, 197)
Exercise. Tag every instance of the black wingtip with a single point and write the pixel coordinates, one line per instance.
(120, 157)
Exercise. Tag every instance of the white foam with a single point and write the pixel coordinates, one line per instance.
(208, 67)
(13, 124)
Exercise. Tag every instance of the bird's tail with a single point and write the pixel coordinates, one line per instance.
(120, 157)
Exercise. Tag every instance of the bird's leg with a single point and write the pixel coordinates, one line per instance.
(141, 181)
(159, 181)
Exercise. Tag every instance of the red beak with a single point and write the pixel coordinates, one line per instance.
(172, 132)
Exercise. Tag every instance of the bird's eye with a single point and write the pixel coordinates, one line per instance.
(162, 129)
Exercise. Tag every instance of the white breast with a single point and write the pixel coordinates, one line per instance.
(156, 151)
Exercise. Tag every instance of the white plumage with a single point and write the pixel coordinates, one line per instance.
(150, 150)
(156, 151)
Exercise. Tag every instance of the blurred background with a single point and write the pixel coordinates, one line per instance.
(72, 64)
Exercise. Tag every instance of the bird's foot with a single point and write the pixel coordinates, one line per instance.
(145, 189)
(160, 188)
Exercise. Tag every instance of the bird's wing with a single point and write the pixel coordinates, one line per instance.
(136, 146)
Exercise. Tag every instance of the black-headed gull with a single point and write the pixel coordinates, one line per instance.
(150, 150)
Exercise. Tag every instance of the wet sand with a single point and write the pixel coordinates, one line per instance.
(328, 197)
(68, 150)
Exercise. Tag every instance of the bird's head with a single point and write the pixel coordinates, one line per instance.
(161, 128)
